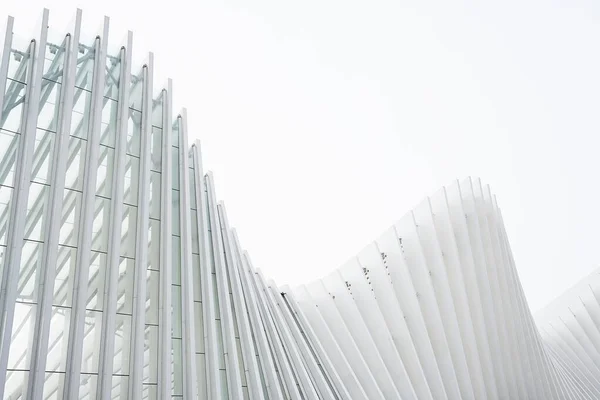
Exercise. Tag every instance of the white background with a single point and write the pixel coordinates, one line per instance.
(325, 120)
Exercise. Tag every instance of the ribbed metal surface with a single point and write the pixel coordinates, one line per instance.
(120, 276)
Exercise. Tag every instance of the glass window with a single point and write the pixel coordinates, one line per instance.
(132, 172)
(125, 286)
(36, 205)
(155, 185)
(177, 370)
(195, 238)
(176, 261)
(31, 254)
(175, 167)
(70, 217)
(42, 156)
(112, 78)
(16, 383)
(135, 94)
(91, 342)
(75, 163)
(156, 148)
(5, 197)
(122, 344)
(154, 245)
(134, 132)
(119, 387)
(22, 334)
(105, 171)
(101, 224)
(82, 102)
(152, 297)
(151, 354)
(48, 111)
(128, 231)
(53, 386)
(176, 311)
(88, 385)
(11, 116)
(95, 292)
(65, 273)
(58, 339)
(175, 217)
(199, 326)
(197, 280)
(192, 183)
(9, 143)
(109, 122)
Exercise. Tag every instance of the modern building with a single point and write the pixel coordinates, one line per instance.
(120, 276)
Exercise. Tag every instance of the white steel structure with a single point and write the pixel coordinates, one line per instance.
(120, 276)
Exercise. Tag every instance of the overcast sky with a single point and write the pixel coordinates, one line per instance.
(324, 121)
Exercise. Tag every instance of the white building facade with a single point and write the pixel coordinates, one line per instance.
(120, 277)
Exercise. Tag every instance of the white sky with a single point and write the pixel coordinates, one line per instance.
(324, 121)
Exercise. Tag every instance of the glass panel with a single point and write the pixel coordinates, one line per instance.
(120, 387)
(192, 182)
(155, 194)
(151, 354)
(113, 74)
(175, 215)
(125, 286)
(96, 278)
(11, 117)
(152, 297)
(176, 132)
(128, 231)
(53, 65)
(87, 386)
(156, 148)
(91, 341)
(30, 259)
(22, 334)
(100, 227)
(16, 384)
(106, 163)
(176, 260)
(201, 375)
(9, 143)
(175, 167)
(199, 327)
(109, 122)
(135, 95)
(35, 211)
(82, 103)
(176, 311)
(132, 172)
(18, 64)
(177, 368)
(65, 272)
(85, 67)
(69, 229)
(58, 339)
(197, 280)
(48, 112)
(154, 245)
(149, 392)
(157, 110)
(42, 158)
(195, 238)
(122, 344)
(134, 132)
(75, 164)
(53, 386)
(5, 196)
